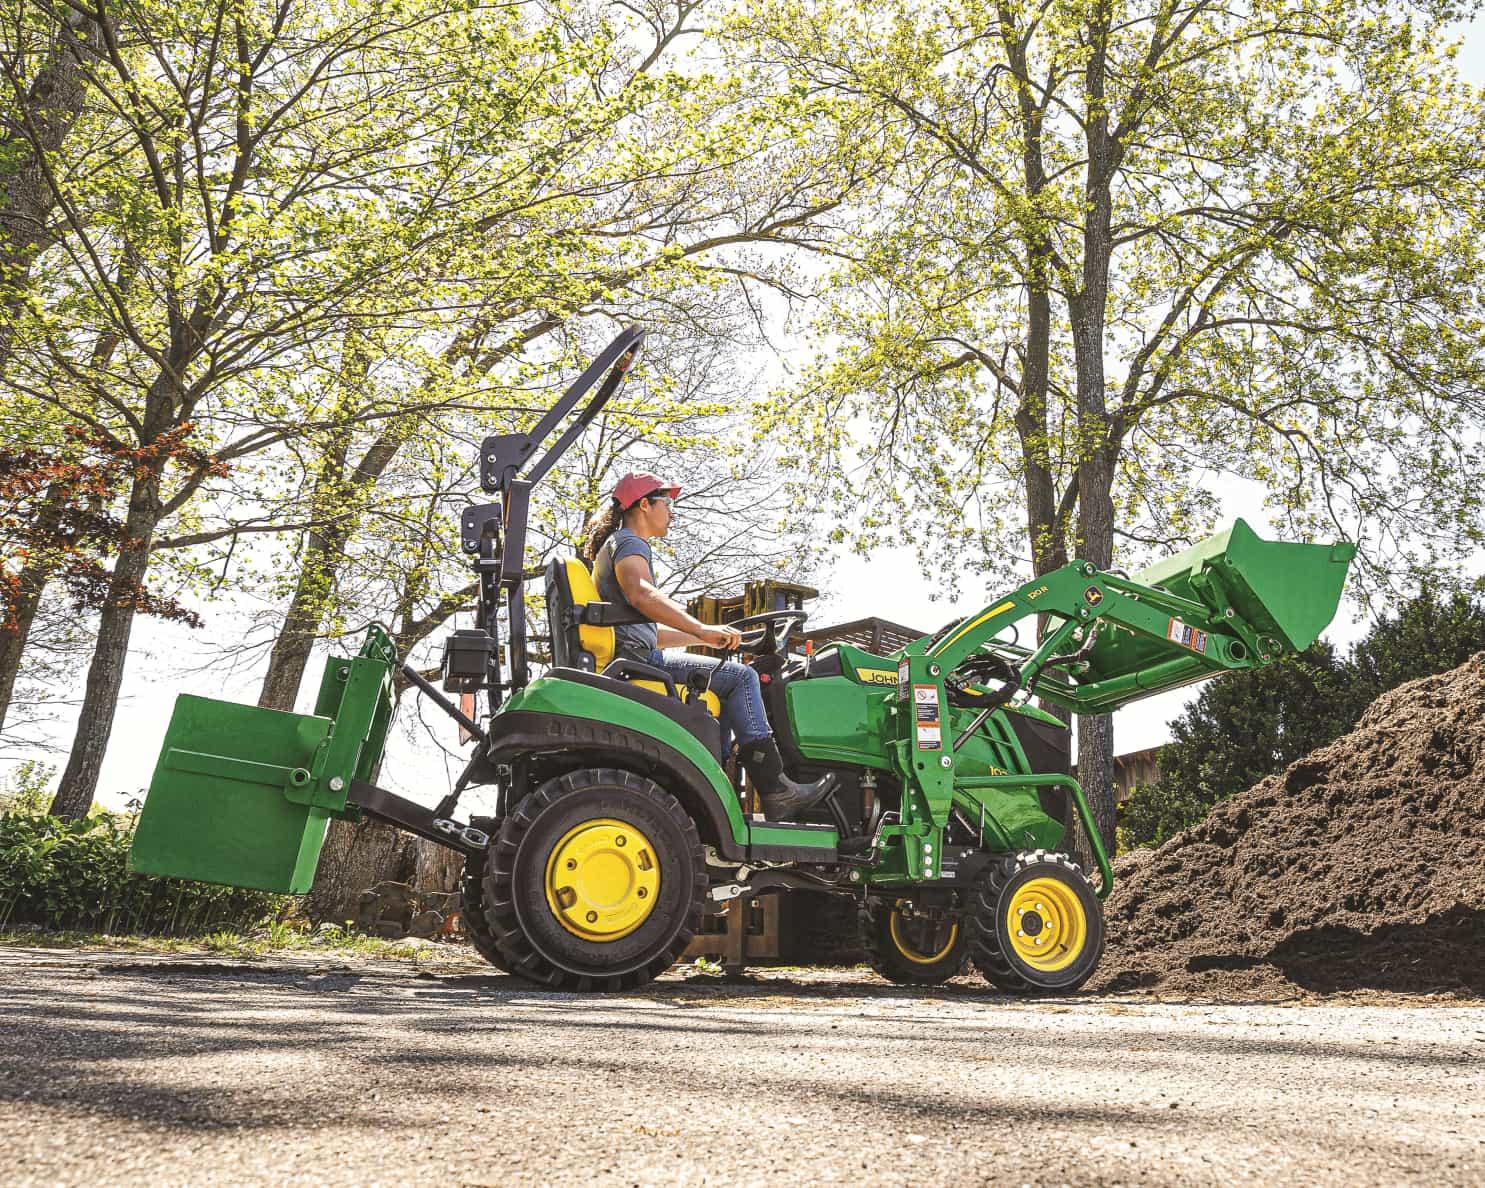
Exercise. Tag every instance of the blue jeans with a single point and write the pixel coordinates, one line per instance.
(736, 684)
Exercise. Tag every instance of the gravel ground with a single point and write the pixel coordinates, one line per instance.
(117, 1068)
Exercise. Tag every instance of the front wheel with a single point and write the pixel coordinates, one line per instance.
(1038, 926)
(597, 882)
(914, 947)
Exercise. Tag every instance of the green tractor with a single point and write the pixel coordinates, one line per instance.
(618, 825)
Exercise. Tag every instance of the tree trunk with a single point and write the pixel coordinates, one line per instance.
(1096, 533)
(13, 636)
(296, 638)
(1042, 530)
(1088, 311)
(31, 585)
(106, 673)
(50, 108)
(437, 868)
(356, 857)
(335, 515)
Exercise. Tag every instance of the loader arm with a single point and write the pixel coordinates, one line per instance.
(1233, 602)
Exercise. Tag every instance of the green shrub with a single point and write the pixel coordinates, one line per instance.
(27, 790)
(1156, 812)
(74, 875)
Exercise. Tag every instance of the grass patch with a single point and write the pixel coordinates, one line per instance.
(271, 940)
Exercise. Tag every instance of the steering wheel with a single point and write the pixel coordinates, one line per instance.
(776, 628)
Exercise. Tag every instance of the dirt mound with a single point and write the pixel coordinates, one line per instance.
(1361, 866)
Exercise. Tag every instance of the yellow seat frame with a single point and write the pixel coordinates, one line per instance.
(598, 642)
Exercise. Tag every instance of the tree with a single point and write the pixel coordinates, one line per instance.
(654, 176)
(1427, 634)
(1242, 727)
(1129, 249)
(70, 542)
(1249, 725)
(240, 176)
(44, 65)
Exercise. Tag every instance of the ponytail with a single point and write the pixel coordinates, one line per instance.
(605, 523)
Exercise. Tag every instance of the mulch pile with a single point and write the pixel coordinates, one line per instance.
(1360, 867)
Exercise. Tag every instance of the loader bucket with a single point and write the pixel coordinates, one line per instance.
(242, 795)
(1233, 601)
(1286, 591)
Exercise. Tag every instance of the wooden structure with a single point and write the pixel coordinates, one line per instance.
(877, 636)
(749, 929)
(1133, 769)
(757, 598)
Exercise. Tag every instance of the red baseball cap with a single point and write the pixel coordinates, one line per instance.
(634, 487)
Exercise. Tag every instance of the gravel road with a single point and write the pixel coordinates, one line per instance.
(117, 1068)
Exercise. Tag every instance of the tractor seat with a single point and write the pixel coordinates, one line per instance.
(583, 633)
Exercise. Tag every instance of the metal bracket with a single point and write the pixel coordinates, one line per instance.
(502, 455)
(474, 525)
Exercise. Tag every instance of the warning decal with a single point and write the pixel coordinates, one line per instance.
(902, 679)
(926, 717)
(1186, 636)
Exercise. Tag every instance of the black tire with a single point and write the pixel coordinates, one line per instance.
(535, 941)
(1073, 920)
(476, 926)
(923, 950)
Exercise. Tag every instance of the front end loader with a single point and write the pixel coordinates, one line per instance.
(619, 818)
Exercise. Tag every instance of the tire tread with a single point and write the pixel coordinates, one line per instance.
(512, 941)
(985, 948)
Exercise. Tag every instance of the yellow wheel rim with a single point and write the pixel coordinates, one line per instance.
(1047, 924)
(602, 879)
(898, 925)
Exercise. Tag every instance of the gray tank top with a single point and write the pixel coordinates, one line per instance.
(633, 641)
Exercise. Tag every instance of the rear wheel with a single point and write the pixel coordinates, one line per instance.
(597, 882)
(911, 946)
(476, 926)
(1038, 926)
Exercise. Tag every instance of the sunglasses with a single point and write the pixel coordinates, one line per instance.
(665, 499)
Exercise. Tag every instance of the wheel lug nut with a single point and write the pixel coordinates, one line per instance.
(619, 841)
(592, 917)
(572, 864)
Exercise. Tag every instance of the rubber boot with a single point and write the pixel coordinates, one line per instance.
(782, 798)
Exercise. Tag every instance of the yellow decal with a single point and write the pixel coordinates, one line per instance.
(1037, 593)
(989, 614)
(876, 676)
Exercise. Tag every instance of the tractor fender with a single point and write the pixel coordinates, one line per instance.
(584, 742)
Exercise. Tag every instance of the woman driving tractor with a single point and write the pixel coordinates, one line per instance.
(617, 547)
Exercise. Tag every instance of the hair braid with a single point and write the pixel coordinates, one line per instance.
(605, 523)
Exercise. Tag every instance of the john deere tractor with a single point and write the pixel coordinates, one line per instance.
(618, 825)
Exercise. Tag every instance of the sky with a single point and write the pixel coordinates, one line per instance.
(423, 756)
